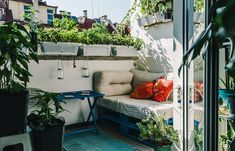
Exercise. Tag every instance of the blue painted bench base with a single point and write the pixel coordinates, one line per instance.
(123, 124)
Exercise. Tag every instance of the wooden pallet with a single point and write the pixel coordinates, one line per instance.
(122, 123)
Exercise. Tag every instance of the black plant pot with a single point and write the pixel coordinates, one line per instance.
(232, 146)
(13, 112)
(49, 139)
(168, 15)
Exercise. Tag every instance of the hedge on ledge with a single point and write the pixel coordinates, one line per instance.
(96, 35)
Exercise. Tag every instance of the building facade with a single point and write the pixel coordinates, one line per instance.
(45, 12)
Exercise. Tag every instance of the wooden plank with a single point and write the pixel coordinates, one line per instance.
(71, 57)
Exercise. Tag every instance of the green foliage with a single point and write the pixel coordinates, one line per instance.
(227, 138)
(131, 11)
(155, 129)
(198, 137)
(31, 20)
(198, 5)
(14, 74)
(96, 35)
(220, 29)
(44, 113)
(148, 7)
(66, 23)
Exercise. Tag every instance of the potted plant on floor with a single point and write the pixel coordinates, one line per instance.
(48, 128)
(14, 76)
(198, 139)
(156, 130)
(227, 139)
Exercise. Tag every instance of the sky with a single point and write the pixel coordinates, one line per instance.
(115, 9)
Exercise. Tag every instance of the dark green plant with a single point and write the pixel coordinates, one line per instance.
(14, 72)
(220, 28)
(156, 130)
(46, 110)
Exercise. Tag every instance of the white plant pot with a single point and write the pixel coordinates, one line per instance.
(150, 19)
(199, 17)
(97, 50)
(159, 17)
(141, 22)
(126, 51)
(50, 48)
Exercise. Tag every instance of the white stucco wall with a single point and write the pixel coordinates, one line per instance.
(18, 11)
(45, 77)
(157, 53)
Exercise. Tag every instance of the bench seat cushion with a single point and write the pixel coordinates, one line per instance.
(136, 108)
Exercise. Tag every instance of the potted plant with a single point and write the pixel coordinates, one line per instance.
(156, 130)
(14, 76)
(48, 128)
(198, 9)
(160, 10)
(227, 139)
(198, 139)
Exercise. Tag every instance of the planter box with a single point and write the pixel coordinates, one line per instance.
(159, 17)
(198, 17)
(97, 50)
(126, 51)
(150, 19)
(141, 22)
(13, 112)
(50, 48)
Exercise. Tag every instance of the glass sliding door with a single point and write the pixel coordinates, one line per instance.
(193, 79)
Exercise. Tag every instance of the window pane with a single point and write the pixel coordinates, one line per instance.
(50, 17)
(50, 11)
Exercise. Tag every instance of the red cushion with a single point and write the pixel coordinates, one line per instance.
(198, 91)
(162, 89)
(143, 91)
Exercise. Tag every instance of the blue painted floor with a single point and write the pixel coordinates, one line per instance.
(91, 141)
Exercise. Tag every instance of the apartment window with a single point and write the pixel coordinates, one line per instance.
(50, 16)
(26, 9)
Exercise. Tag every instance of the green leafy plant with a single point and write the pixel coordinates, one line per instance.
(66, 23)
(198, 137)
(31, 20)
(227, 138)
(44, 113)
(198, 5)
(14, 72)
(131, 11)
(155, 129)
(220, 28)
(98, 34)
(152, 6)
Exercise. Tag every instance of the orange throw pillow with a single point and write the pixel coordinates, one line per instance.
(143, 91)
(162, 89)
